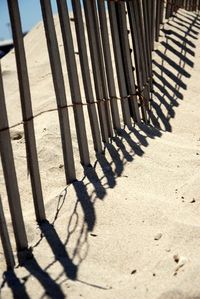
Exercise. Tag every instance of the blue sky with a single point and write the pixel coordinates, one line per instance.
(30, 15)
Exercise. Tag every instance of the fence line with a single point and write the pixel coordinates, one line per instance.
(121, 36)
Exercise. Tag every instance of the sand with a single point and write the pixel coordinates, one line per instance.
(129, 227)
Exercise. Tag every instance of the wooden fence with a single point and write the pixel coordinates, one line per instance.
(134, 25)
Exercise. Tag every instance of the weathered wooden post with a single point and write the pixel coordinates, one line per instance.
(73, 81)
(25, 96)
(158, 17)
(127, 61)
(5, 239)
(11, 178)
(59, 88)
(97, 72)
(80, 33)
(108, 64)
(140, 61)
(119, 64)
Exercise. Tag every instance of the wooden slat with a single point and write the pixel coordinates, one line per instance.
(80, 33)
(59, 88)
(5, 239)
(127, 61)
(153, 24)
(158, 11)
(139, 57)
(26, 105)
(162, 11)
(74, 82)
(93, 7)
(148, 42)
(10, 176)
(108, 64)
(119, 64)
(168, 9)
(144, 52)
(96, 69)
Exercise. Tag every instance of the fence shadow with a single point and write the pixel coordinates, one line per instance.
(13, 282)
(122, 149)
(171, 66)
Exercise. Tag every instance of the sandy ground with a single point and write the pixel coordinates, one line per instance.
(129, 227)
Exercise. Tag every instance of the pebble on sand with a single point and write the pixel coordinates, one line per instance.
(158, 236)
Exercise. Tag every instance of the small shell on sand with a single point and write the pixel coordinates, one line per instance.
(181, 261)
(158, 236)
